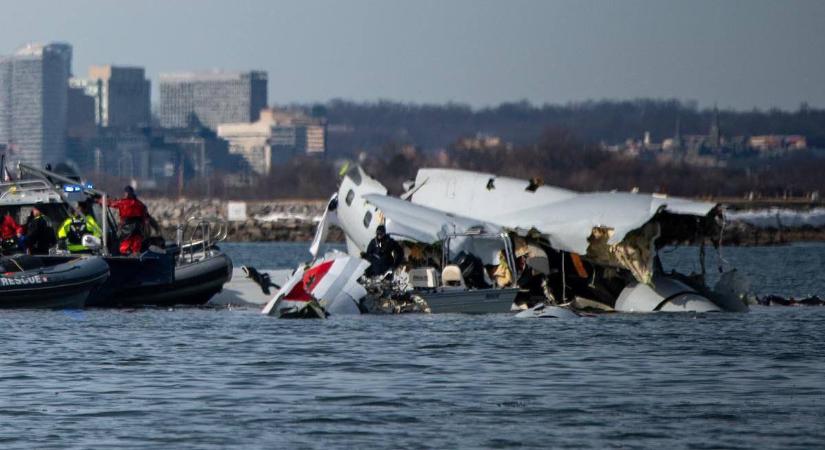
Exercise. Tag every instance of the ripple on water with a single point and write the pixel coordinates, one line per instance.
(199, 378)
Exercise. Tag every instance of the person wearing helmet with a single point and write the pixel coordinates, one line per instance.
(77, 225)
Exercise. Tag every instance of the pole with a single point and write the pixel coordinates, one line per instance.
(105, 215)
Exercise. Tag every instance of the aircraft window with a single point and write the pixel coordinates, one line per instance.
(350, 196)
(367, 219)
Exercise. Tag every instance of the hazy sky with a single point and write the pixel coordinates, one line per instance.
(738, 53)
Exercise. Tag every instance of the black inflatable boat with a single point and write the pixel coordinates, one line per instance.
(50, 282)
(161, 279)
(187, 271)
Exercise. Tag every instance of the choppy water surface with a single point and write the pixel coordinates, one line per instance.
(204, 378)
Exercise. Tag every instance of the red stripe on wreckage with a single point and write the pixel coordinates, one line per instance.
(301, 291)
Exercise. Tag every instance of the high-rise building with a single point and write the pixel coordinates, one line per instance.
(80, 120)
(121, 95)
(211, 98)
(6, 65)
(275, 138)
(34, 102)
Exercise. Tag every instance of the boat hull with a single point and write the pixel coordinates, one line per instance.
(63, 285)
(161, 283)
(480, 301)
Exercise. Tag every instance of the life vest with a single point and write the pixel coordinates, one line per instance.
(77, 228)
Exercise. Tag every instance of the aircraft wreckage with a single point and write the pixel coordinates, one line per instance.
(480, 243)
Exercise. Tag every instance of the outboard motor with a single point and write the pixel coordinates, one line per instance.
(472, 269)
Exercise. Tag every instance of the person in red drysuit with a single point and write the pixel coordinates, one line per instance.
(10, 232)
(9, 227)
(133, 220)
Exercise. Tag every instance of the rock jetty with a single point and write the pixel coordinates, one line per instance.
(277, 220)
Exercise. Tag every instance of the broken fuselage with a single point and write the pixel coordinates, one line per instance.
(475, 235)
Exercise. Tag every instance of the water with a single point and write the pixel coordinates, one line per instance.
(794, 270)
(218, 378)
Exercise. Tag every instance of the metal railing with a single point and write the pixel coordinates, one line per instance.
(199, 234)
(13, 190)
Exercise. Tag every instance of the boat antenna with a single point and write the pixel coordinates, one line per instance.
(6, 175)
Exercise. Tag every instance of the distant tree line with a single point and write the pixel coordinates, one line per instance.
(558, 143)
(370, 126)
(559, 158)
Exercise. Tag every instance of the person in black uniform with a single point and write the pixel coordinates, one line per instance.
(40, 236)
(383, 253)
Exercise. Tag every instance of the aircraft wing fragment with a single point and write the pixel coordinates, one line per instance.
(423, 224)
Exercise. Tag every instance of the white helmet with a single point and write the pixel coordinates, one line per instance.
(89, 241)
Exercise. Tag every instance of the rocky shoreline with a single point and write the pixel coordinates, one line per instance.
(295, 220)
(743, 234)
(277, 220)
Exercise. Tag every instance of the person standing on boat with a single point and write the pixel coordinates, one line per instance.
(79, 224)
(383, 253)
(10, 233)
(134, 216)
(39, 236)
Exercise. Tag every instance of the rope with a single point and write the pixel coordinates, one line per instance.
(17, 264)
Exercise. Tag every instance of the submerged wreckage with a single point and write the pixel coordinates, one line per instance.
(479, 243)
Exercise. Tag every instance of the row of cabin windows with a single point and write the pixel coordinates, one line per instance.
(367, 216)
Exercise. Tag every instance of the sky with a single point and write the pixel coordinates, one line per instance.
(738, 54)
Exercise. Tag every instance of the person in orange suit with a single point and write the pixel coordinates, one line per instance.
(134, 217)
(10, 233)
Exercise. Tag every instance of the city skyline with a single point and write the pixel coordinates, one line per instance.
(34, 102)
(748, 53)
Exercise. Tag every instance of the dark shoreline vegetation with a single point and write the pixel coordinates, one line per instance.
(561, 144)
